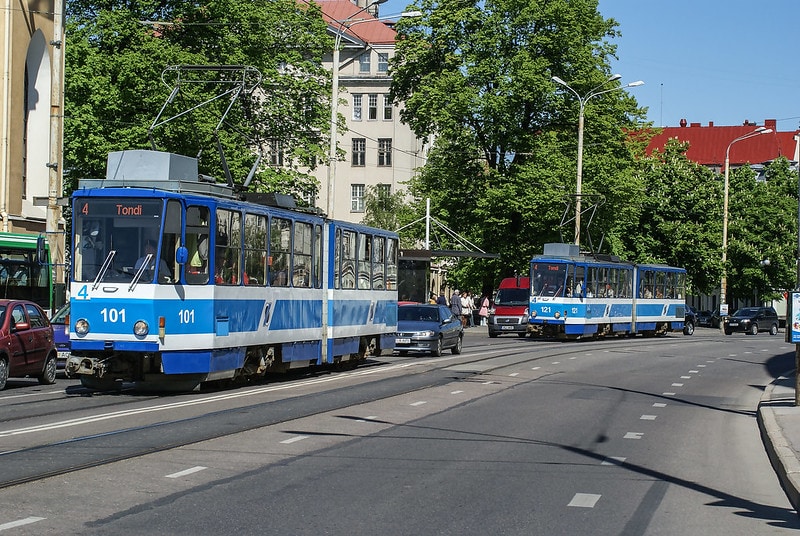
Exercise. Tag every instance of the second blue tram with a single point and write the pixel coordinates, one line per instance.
(575, 295)
(176, 281)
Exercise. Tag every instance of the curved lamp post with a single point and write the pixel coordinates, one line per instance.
(582, 101)
(723, 292)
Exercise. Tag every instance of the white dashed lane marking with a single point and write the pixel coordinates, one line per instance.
(20, 522)
(613, 460)
(185, 472)
(421, 402)
(584, 500)
(647, 417)
(659, 405)
(294, 439)
(634, 435)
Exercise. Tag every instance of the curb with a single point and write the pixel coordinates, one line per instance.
(783, 458)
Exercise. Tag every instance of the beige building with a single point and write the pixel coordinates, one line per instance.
(31, 118)
(378, 149)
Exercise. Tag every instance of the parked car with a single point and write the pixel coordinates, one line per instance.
(704, 319)
(427, 328)
(26, 342)
(60, 322)
(509, 314)
(689, 320)
(751, 320)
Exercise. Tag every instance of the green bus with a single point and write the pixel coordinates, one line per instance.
(23, 274)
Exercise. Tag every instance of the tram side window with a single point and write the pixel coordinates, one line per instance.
(337, 259)
(591, 282)
(302, 255)
(228, 247)
(378, 261)
(391, 264)
(580, 283)
(170, 242)
(316, 274)
(197, 224)
(280, 251)
(680, 285)
(646, 284)
(661, 280)
(364, 261)
(349, 245)
(255, 250)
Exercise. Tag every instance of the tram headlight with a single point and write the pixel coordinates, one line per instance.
(82, 326)
(140, 328)
(533, 314)
(557, 315)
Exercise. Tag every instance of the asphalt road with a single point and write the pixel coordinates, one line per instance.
(644, 436)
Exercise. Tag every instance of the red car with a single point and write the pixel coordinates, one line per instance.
(26, 342)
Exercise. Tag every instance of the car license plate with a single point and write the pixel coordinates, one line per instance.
(63, 355)
(400, 340)
(507, 327)
(733, 324)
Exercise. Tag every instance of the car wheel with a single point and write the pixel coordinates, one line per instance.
(48, 375)
(3, 372)
(459, 342)
(492, 335)
(754, 329)
(688, 328)
(728, 332)
(438, 350)
(773, 330)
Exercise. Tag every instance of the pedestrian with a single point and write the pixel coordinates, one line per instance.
(455, 303)
(466, 309)
(432, 299)
(483, 312)
(441, 300)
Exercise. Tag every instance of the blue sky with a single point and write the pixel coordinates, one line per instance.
(720, 61)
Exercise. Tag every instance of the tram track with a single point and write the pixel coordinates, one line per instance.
(96, 449)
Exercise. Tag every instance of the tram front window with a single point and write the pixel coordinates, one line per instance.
(549, 279)
(110, 235)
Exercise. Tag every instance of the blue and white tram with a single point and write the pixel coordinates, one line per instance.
(175, 282)
(576, 295)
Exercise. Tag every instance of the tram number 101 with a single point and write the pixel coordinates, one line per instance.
(112, 315)
(186, 316)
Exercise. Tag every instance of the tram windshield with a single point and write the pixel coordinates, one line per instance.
(119, 240)
(549, 279)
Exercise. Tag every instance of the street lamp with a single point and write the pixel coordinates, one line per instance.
(723, 292)
(343, 26)
(582, 101)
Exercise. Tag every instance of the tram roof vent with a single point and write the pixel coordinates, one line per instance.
(150, 166)
(555, 249)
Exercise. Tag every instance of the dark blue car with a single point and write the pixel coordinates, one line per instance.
(427, 328)
(60, 323)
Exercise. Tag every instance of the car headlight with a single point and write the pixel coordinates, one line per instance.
(140, 328)
(82, 326)
(428, 333)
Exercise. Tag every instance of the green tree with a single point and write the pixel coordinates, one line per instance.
(476, 76)
(386, 210)
(680, 221)
(113, 88)
(762, 224)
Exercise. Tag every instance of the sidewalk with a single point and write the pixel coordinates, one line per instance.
(779, 422)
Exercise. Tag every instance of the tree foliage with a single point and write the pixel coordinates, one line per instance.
(476, 77)
(114, 90)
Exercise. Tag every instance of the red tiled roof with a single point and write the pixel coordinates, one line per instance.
(335, 12)
(708, 144)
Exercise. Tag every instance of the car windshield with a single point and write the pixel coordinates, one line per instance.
(512, 296)
(418, 314)
(61, 315)
(746, 311)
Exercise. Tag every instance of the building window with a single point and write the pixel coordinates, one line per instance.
(364, 62)
(359, 152)
(384, 190)
(383, 62)
(275, 153)
(387, 108)
(373, 106)
(356, 198)
(357, 97)
(385, 152)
